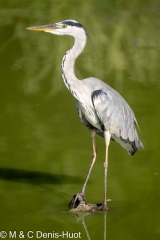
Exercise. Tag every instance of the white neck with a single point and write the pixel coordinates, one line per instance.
(68, 61)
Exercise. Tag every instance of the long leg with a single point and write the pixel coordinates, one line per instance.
(107, 136)
(77, 198)
(94, 155)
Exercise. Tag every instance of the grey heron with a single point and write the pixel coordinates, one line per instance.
(100, 108)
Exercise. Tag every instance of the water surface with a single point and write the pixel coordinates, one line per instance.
(45, 152)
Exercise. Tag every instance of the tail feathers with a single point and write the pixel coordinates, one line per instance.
(130, 147)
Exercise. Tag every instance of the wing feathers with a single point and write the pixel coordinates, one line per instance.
(117, 117)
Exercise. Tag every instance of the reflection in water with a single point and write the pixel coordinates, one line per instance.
(105, 225)
(80, 216)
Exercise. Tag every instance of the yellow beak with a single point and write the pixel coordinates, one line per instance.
(44, 27)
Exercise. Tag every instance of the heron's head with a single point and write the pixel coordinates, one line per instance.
(66, 27)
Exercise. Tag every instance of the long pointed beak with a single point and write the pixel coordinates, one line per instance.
(46, 27)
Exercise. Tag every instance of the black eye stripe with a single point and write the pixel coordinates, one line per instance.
(76, 24)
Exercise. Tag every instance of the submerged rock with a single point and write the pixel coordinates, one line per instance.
(84, 207)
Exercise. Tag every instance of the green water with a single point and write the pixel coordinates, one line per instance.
(45, 152)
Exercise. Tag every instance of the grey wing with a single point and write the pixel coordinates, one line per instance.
(117, 117)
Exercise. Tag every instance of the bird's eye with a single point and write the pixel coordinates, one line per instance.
(64, 25)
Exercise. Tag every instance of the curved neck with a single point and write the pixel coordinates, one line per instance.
(68, 61)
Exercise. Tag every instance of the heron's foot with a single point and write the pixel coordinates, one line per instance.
(101, 207)
(76, 200)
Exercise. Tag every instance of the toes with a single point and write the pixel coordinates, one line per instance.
(101, 207)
